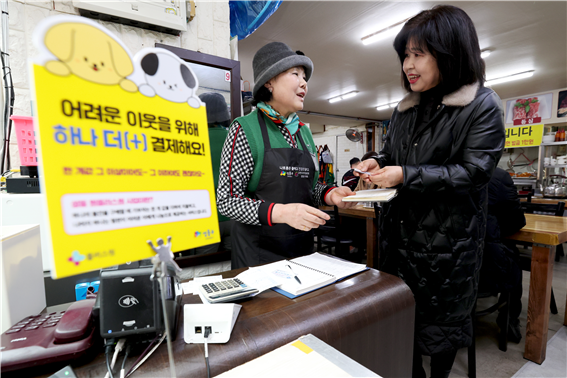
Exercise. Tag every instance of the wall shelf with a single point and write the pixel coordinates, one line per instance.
(554, 144)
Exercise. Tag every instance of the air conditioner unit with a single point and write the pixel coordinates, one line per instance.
(167, 16)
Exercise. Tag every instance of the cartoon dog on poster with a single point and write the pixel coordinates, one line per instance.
(85, 49)
(166, 75)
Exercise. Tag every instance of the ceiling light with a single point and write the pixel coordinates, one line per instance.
(384, 33)
(343, 96)
(387, 106)
(485, 53)
(504, 79)
(349, 95)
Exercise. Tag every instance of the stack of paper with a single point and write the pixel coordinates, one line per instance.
(312, 271)
(372, 195)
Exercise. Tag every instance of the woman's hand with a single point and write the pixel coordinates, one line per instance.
(388, 177)
(298, 215)
(335, 197)
(371, 166)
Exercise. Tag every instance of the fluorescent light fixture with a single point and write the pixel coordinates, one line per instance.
(343, 96)
(504, 79)
(485, 53)
(349, 95)
(387, 106)
(384, 33)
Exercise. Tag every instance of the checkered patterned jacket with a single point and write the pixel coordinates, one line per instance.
(237, 166)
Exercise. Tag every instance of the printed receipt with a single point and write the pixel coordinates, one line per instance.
(257, 278)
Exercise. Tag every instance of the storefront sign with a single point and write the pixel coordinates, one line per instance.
(524, 136)
(530, 110)
(124, 148)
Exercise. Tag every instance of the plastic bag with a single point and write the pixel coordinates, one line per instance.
(247, 16)
(326, 157)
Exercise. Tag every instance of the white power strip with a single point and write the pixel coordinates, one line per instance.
(219, 317)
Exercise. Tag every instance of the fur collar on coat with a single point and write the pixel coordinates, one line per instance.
(461, 97)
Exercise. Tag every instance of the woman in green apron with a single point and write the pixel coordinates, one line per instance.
(269, 168)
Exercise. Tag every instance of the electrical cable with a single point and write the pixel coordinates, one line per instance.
(126, 353)
(133, 369)
(117, 350)
(5, 175)
(108, 366)
(108, 348)
(4, 125)
(207, 333)
(143, 354)
(10, 172)
(8, 110)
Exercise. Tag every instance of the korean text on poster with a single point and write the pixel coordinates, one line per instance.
(524, 136)
(124, 148)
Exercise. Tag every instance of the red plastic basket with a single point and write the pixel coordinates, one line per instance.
(26, 140)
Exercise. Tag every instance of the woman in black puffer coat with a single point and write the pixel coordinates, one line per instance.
(445, 139)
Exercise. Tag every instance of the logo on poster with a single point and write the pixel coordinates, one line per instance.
(206, 234)
(76, 258)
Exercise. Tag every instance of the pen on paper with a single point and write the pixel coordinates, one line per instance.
(294, 275)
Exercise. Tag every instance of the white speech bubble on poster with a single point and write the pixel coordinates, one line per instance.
(96, 212)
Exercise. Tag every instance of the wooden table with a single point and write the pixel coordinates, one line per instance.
(545, 232)
(372, 247)
(369, 317)
(550, 201)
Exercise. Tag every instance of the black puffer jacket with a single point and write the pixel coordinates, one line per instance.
(500, 270)
(432, 232)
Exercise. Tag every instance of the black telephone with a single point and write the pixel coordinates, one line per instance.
(48, 338)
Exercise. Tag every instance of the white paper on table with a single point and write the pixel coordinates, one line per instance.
(188, 287)
(258, 279)
(337, 267)
(288, 361)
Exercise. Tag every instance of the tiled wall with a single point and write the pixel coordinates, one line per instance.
(208, 32)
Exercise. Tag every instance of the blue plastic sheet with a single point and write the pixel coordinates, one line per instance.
(247, 16)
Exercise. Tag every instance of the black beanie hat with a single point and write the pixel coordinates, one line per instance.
(275, 58)
(217, 109)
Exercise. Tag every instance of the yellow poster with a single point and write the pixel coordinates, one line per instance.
(524, 136)
(124, 148)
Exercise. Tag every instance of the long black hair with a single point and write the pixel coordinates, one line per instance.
(448, 33)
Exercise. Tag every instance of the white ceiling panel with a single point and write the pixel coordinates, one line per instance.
(524, 35)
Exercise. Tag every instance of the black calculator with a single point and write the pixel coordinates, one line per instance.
(226, 290)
